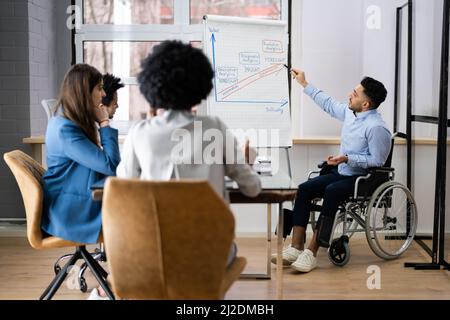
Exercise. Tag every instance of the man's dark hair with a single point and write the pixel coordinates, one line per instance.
(175, 76)
(375, 90)
(110, 85)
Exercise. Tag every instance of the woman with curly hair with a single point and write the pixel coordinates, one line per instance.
(176, 77)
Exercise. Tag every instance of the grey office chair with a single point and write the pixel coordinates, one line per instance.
(48, 105)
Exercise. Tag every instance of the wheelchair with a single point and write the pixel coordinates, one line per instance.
(380, 207)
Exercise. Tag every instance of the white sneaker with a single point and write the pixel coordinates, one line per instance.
(96, 296)
(305, 262)
(289, 255)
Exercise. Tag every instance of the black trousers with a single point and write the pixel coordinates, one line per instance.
(333, 188)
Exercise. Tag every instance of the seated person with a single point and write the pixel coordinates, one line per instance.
(365, 143)
(81, 150)
(110, 85)
(176, 77)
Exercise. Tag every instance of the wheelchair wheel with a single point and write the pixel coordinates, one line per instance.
(391, 220)
(339, 251)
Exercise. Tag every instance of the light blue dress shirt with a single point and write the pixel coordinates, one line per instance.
(365, 139)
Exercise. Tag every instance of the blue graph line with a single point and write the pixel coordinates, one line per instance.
(213, 41)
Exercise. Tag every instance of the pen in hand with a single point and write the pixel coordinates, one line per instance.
(292, 71)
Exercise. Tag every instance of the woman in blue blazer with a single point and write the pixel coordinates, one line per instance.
(81, 149)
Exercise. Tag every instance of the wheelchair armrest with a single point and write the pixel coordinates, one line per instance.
(322, 165)
(311, 173)
(355, 193)
(325, 168)
(381, 170)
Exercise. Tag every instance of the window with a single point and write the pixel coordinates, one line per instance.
(116, 35)
(263, 9)
(128, 11)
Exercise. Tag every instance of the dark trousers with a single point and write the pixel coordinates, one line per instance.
(333, 188)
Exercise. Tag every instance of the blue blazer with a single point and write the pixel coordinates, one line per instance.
(74, 164)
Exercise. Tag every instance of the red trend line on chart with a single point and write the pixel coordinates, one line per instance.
(249, 80)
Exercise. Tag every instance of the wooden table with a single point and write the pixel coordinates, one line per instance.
(269, 197)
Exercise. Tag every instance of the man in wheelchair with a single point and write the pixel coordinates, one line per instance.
(365, 143)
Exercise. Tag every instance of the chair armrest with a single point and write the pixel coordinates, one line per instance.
(325, 168)
(322, 165)
(311, 173)
(355, 191)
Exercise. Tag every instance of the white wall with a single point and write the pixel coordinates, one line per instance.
(329, 41)
(42, 58)
(50, 55)
(334, 45)
(63, 42)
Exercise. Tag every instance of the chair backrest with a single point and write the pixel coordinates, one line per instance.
(388, 162)
(28, 173)
(48, 105)
(166, 240)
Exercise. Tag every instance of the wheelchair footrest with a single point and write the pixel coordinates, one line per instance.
(324, 231)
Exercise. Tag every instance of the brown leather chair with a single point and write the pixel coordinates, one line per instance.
(28, 174)
(168, 240)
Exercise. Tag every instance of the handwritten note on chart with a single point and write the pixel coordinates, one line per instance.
(251, 89)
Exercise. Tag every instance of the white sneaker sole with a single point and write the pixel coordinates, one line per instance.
(304, 269)
(286, 262)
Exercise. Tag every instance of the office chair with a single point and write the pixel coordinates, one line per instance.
(168, 240)
(28, 174)
(48, 105)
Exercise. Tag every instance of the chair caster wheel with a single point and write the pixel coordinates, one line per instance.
(83, 284)
(339, 251)
(56, 269)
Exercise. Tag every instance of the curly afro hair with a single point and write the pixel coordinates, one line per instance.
(375, 90)
(110, 85)
(175, 76)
